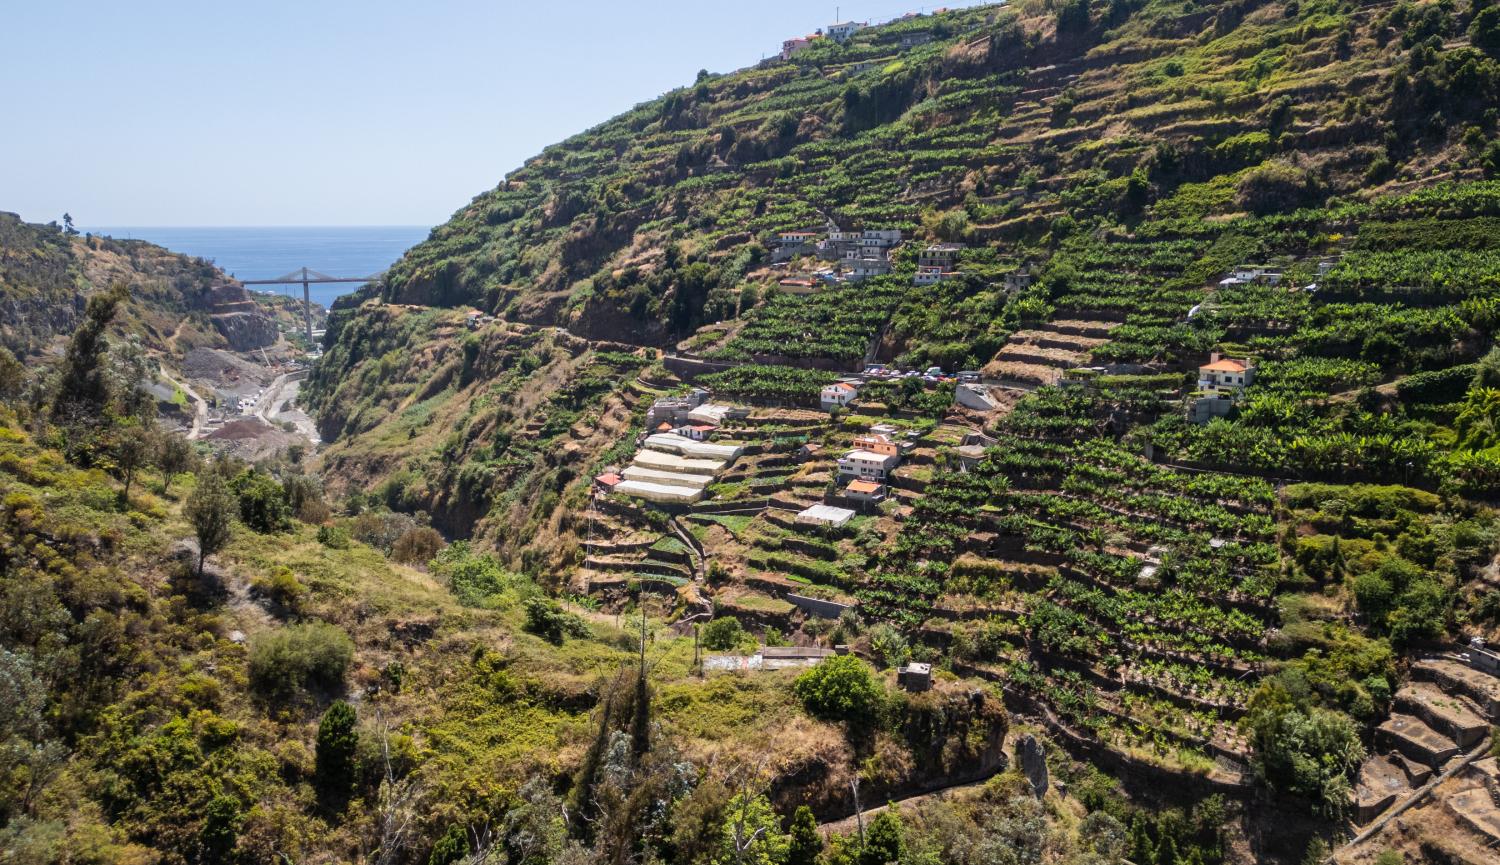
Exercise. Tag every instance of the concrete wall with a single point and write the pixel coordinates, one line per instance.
(818, 606)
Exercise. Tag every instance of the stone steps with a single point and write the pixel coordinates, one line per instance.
(1039, 356)
(1451, 715)
(1383, 780)
(1079, 327)
(1026, 373)
(1412, 736)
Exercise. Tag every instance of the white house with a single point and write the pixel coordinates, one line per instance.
(860, 268)
(930, 275)
(867, 465)
(880, 237)
(839, 394)
(1226, 373)
(697, 432)
(1256, 273)
(843, 30)
(940, 255)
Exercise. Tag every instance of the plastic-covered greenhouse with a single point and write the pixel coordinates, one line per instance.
(660, 493)
(657, 476)
(673, 443)
(674, 463)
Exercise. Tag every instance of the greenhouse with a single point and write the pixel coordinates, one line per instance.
(672, 443)
(674, 463)
(657, 476)
(660, 493)
(825, 515)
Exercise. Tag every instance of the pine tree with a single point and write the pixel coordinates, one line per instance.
(217, 837)
(884, 842)
(338, 741)
(806, 843)
(82, 396)
(1142, 851)
(210, 508)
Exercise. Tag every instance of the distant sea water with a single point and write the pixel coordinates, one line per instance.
(267, 253)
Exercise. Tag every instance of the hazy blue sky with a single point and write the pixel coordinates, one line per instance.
(336, 112)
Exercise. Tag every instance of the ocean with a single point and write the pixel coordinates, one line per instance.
(267, 253)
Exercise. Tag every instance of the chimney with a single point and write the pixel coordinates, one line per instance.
(1213, 357)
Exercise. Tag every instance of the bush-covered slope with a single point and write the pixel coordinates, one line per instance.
(175, 305)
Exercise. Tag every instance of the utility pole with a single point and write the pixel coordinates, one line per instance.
(307, 307)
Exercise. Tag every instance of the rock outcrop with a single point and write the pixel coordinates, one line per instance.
(239, 319)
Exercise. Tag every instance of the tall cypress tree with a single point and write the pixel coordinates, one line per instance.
(806, 844)
(338, 741)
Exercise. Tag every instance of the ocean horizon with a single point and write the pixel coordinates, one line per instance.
(268, 252)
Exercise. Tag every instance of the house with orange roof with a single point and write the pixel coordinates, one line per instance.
(1220, 383)
(865, 491)
(1226, 372)
(697, 432)
(839, 394)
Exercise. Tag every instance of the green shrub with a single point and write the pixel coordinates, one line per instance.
(334, 537)
(282, 588)
(475, 580)
(263, 504)
(452, 847)
(288, 660)
(841, 688)
(548, 620)
(723, 634)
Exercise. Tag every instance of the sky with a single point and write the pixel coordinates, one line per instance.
(337, 112)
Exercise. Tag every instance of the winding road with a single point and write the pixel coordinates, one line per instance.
(200, 407)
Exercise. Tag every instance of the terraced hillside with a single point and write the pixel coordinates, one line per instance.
(1198, 584)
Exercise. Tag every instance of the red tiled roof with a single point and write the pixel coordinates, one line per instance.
(866, 487)
(608, 480)
(1225, 365)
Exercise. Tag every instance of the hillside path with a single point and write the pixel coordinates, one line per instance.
(200, 407)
